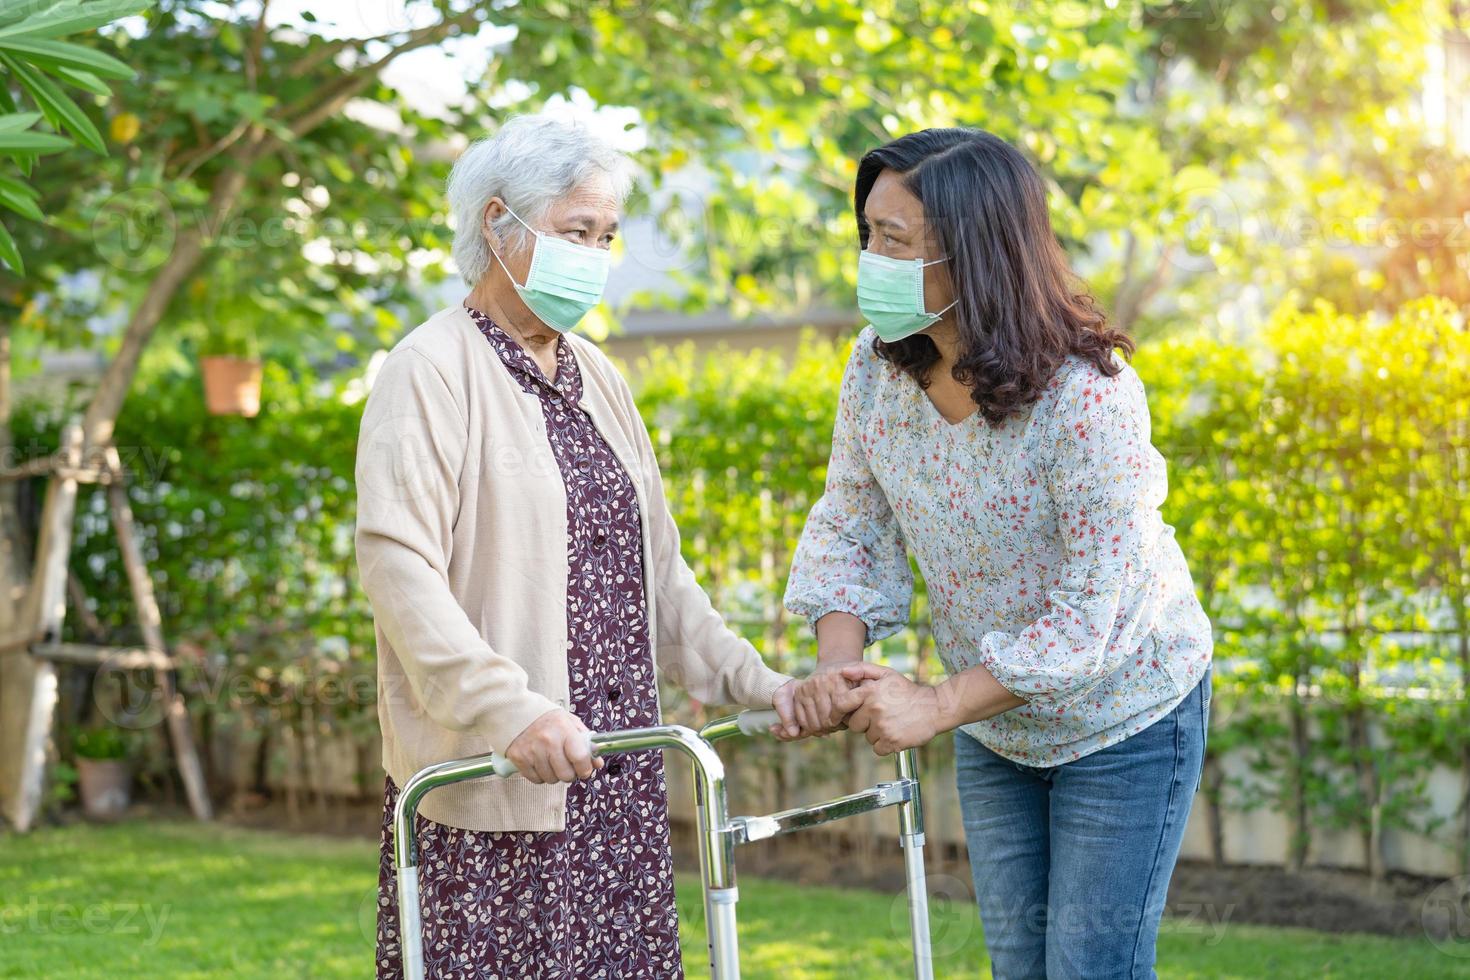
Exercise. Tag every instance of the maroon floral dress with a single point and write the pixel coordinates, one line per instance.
(597, 899)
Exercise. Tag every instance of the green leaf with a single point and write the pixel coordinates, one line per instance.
(10, 253)
(29, 142)
(229, 38)
(1195, 179)
(68, 18)
(83, 79)
(63, 54)
(16, 121)
(56, 104)
(20, 188)
(13, 196)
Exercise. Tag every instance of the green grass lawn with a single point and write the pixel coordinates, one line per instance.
(184, 900)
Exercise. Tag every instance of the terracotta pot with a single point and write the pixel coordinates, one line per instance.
(106, 787)
(231, 385)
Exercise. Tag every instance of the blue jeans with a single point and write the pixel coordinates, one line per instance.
(1072, 862)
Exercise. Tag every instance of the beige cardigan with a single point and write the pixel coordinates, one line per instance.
(461, 548)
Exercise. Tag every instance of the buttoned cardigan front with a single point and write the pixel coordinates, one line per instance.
(461, 547)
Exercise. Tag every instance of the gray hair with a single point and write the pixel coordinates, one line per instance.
(530, 163)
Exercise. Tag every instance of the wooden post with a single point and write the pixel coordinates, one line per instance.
(43, 612)
(150, 622)
(31, 646)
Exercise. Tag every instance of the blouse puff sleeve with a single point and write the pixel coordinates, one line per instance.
(1107, 483)
(851, 555)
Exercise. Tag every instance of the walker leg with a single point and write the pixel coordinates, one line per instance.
(717, 875)
(911, 837)
(724, 951)
(410, 928)
(701, 821)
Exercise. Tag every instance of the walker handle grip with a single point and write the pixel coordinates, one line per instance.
(504, 767)
(757, 721)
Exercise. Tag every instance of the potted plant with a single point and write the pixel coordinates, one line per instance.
(104, 777)
(230, 365)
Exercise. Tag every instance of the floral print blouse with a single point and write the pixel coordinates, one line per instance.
(1040, 542)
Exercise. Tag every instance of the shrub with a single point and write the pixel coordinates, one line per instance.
(1320, 488)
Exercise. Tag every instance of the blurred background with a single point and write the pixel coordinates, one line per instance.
(218, 216)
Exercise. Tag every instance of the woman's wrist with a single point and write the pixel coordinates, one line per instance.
(841, 637)
(972, 695)
(829, 660)
(948, 710)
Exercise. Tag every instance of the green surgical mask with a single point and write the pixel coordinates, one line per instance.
(566, 279)
(890, 294)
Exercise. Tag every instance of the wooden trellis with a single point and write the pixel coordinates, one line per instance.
(37, 633)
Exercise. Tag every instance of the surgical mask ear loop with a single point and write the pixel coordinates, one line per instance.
(496, 252)
(925, 265)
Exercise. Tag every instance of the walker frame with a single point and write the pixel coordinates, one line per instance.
(718, 833)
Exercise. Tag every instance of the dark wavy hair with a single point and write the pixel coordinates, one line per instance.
(1020, 310)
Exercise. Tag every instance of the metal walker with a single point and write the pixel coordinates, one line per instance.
(718, 833)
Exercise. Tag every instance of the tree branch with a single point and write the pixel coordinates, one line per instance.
(1133, 296)
(196, 158)
(306, 114)
(314, 60)
(189, 248)
(252, 51)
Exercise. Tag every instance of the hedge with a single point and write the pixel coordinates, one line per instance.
(1319, 485)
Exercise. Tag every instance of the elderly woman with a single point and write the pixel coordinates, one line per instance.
(525, 577)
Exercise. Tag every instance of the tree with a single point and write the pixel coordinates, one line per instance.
(34, 65)
(780, 100)
(1186, 142)
(224, 109)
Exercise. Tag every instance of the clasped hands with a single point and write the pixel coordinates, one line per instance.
(891, 711)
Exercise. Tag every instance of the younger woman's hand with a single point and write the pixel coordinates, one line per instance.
(895, 713)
